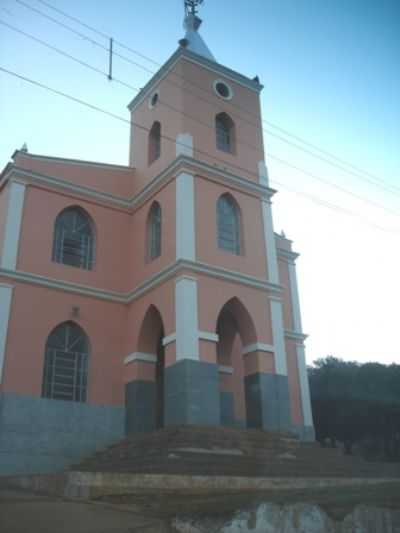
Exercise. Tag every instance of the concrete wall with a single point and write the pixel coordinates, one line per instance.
(40, 435)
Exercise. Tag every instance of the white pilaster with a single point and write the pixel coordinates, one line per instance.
(263, 177)
(270, 244)
(304, 386)
(295, 298)
(12, 229)
(184, 144)
(186, 316)
(278, 337)
(185, 217)
(5, 309)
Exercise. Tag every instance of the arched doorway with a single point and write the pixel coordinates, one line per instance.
(144, 392)
(235, 329)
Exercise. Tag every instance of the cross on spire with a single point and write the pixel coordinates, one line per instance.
(191, 6)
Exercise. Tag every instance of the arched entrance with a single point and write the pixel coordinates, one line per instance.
(145, 391)
(236, 330)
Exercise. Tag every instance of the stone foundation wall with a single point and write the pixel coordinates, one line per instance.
(41, 435)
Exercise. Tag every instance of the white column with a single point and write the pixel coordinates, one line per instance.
(5, 309)
(185, 217)
(301, 358)
(270, 244)
(184, 144)
(186, 316)
(304, 387)
(278, 336)
(12, 229)
(294, 292)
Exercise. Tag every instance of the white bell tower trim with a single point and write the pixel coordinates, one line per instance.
(185, 217)
(9, 253)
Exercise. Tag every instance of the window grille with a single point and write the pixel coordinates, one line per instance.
(66, 364)
(154, 231)
(154, 142)
(224, 129)
(228, 221)
(73, 239)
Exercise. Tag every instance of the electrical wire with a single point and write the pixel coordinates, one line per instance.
(122, 119)
(272, 156)
(373, 180)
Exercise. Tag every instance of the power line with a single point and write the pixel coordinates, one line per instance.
(356, 170)
(272, 156)
(122, 119)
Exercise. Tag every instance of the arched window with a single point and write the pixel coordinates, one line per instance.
(154, 142)
(66, 363)
(74, 239)
(228, 224)
(154, 232)
(225, 133)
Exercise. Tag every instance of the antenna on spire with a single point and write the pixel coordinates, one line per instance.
(191, 6)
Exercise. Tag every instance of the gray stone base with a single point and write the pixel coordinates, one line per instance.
(41, 435)
(140, 403)
(267, 402)
(191, 394)
(226, 406)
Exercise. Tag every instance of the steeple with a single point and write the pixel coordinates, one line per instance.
(193, 40)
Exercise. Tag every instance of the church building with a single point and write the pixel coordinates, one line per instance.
(156, 294)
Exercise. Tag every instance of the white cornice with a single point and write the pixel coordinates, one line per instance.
(295, 335)
(181, 164)
(79, 162)
(287, 254)
(152, 282)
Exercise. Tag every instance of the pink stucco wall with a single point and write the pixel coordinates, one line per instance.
(35, 312)
(251, 261)
(115, 180)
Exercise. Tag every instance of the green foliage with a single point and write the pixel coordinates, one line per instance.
(355, 402)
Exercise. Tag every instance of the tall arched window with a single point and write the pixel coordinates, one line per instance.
(225, 133)
(154, 232)
(154, 142)
(228, 224)
(74, 241)
(66, 363)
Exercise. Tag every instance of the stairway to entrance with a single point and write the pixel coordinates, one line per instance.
(212, 451)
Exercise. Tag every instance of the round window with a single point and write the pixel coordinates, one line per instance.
(223, 89)
(153, 100)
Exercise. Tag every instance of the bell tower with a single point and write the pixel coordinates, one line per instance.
(235, 355)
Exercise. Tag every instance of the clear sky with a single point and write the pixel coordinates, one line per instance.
(331, 73)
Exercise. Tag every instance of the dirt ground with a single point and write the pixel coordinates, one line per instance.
(22, 512)
(150, 511)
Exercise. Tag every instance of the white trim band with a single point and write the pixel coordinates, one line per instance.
(257, 347)
(222, 369)
(140, 356)
(202, 335)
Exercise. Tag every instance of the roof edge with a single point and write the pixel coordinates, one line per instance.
(69, 160)
(195, 58)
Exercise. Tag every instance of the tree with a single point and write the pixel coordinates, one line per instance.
(357, 403)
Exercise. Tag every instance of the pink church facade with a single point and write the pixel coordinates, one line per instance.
(156, 294)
